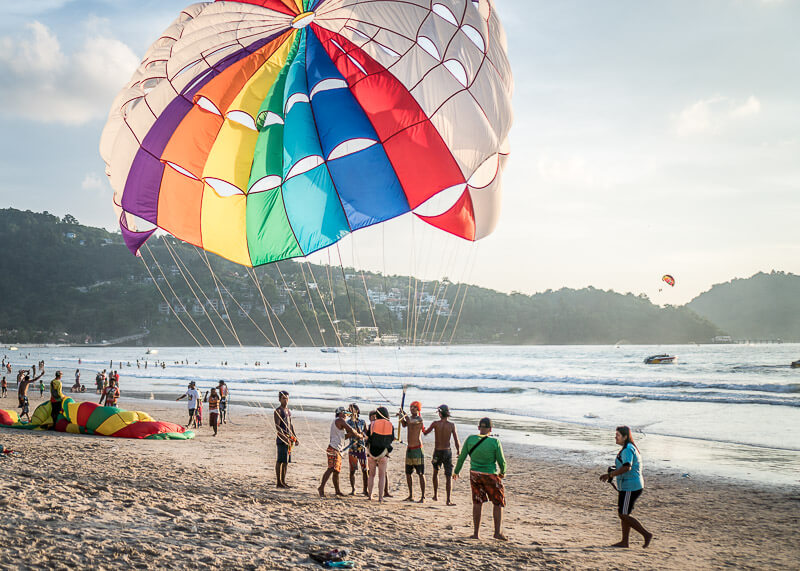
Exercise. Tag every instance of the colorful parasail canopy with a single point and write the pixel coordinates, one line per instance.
(91, 418)
(268, 129)
(669, 280)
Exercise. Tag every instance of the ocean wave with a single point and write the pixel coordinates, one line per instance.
(385, 380)
(718, 398)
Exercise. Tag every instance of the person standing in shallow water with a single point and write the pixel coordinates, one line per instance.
(285, 439)
(485, 456)
(630, 483)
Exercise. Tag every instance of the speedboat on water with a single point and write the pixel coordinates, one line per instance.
(659, 359)
(796, 364)
(329, 350)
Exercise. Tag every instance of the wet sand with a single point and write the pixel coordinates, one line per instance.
(86, 501)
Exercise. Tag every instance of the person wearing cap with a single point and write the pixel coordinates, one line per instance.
(340, 432)
(222, 389)
(415, 457)
(442, 454)
(285, 438)
(357, 456)
(194, 397)
(485, 457)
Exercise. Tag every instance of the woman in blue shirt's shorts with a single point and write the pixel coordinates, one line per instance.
(630, 483)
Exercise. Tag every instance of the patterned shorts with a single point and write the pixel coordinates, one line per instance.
(334, 459)
(358, 458)
(487, 487)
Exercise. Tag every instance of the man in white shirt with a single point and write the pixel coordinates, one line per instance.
(193, 395)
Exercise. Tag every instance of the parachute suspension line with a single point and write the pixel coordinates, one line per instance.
(244, 313)
(464, 297)
(333, 294)
(353, 314)
(431, 310)
(440, 295)
(311, 301)
(294, 303)
(459, 291)
(325, 307)
(204, 256)
(228, 327)
(267, 307)
(436, 322)
(161, 270)
(257, 404)
(202, 305)
(165, 297)
(275, 315)
(447, 321)
(364, 281)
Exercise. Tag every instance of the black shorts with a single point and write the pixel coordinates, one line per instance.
(443, 458)
(627, 500)
(284, 457)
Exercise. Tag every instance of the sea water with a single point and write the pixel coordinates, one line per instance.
(724, 410)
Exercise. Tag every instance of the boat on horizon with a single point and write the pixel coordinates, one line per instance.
(796, 364)
(662, 359)
(329, 350)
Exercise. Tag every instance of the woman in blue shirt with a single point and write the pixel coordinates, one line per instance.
(630, 483)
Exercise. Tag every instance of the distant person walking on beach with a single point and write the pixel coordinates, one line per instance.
(223, 401)
(379, 446)
(194, 397)
(357, 452)
(630, 483)
(213, 410)
(4, 387)
(415, 457)
(442, 455)
(285, 439)
(110, 394)
(340, 432)
(485, 457)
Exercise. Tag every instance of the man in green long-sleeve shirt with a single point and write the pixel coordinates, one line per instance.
(485, 456)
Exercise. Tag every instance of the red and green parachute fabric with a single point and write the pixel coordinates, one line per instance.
(91, 418)
(269, 129)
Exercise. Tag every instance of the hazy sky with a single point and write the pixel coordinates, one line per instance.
(649, 138)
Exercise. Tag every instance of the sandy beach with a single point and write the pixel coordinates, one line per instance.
(86, 501)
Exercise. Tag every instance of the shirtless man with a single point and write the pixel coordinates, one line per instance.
(22, 393)
(415, 458)
(285, 439)
(442, 455)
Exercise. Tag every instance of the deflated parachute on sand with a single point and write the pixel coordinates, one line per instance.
(263, 130)
(91, 418)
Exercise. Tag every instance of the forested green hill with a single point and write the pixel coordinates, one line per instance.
(65, 282)
(762, 307)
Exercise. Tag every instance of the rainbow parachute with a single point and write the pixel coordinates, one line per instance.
(91, 418)
(669, 280)
(268, 129)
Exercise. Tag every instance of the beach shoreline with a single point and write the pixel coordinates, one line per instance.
(76, 500)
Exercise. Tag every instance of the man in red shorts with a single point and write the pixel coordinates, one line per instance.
(485, 457)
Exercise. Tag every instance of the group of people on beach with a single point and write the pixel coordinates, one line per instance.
(217, 399)
(369, 445)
